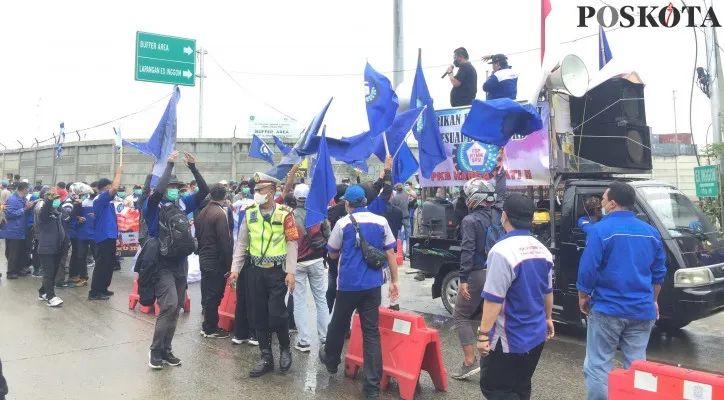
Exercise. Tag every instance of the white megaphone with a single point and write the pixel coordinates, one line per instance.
(571, 76)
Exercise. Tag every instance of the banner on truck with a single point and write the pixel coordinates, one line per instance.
(128, 229)
(526, 158)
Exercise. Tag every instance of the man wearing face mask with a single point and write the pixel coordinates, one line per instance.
(85, 232)
(53, 240)
(14, 230)
(105, 235)
(268, 234)
(465, 83)
(165, 214)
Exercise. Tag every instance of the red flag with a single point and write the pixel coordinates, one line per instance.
(545, 9)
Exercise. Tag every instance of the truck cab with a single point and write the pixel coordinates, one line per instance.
(694, 285)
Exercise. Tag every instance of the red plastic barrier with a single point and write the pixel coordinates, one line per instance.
(134, 298)
(399, 252)
(648, 381)
(227, 308)
(408, 347)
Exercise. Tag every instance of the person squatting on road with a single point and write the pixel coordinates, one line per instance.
(619, 280)
(518, 309)
(165, 213)
(269, 234)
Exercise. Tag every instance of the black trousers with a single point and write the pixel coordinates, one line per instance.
(242, 316)
(103, 272)
(79, 258)
(507, 376)
(50, 264)
(15, 252)
(268, 308)
(35, 258)
(213, 283)
(27, 254)
(367, 303)
(333, 272)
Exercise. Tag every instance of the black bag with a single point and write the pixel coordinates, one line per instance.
(315, 237)
(174, 232)
(374, 257)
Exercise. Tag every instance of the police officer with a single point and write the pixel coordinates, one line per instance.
(269, 236)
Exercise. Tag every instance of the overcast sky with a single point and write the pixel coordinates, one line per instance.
(73, 61)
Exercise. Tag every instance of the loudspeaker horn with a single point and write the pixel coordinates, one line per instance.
(571, 76)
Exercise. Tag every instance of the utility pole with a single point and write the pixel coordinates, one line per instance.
(676, 141)
(716, 89)
(201, 52)
(397, 45)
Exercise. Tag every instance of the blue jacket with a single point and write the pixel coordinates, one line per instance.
(106, 225)
(16, 224)
(86, 230)
(624, 257)
(503, 83)
(29, 217)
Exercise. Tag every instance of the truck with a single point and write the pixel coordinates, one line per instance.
(694, 284)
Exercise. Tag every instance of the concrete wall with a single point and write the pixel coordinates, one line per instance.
(217, 159)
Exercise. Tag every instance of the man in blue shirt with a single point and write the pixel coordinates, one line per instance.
(359, 286)
(504, 81)
(13, 231)
(619, 280)
(105, 236)
(517, 313)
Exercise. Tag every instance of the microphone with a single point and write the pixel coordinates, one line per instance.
(445, 74)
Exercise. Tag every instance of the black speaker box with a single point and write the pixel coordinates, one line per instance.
(618, 145)
(615, 100)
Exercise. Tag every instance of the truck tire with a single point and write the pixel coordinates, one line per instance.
(671, 325)
(449, 290)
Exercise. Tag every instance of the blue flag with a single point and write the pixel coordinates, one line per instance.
(604, 52)
(426, 131)
(282, 147)
(260, 150)
(306, 145)
(61, 140)
(323, 187)
(163, 140)
(496, 121)
(404, 165)
(381, 101)
(396, 133)
(285, 165)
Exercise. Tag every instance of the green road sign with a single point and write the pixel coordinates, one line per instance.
(165, 59)
(706, 180)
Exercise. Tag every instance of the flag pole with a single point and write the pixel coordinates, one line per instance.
(121, 149)
(408, 133)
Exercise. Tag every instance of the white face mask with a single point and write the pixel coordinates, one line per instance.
(603, 210)
(260, 198)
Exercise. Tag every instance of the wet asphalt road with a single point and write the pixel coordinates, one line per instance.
(93, 350)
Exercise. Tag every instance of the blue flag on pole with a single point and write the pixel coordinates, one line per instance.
(397, 132)
(604, 52)
(426, 131)
(404, 165)
(260, 150)
(163, 140)
(282, 147)
(306, 144)
(496, 121)
(61, 140)
(381, 101)
(323, 187)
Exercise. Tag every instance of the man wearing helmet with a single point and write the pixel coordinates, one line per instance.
(484, 202)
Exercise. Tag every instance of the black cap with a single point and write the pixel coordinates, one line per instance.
(175, 181)
(498, 59)
(519, 210)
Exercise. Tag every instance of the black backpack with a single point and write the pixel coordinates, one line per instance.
(174, 232)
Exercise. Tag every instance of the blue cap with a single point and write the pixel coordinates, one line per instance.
(354, 194)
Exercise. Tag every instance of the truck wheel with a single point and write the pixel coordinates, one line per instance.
(670, 324)
(450, 285)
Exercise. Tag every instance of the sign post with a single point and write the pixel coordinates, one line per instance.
(165, 59)
(706, 179)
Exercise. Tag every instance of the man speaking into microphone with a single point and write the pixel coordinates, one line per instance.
(465, 82)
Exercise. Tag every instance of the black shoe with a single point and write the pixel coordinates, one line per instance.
(323, 359)
(13, 276)
(264, 365)
(395, 307)
(26, 271)
(285, 359)
(170, 359)
(37, 273)
(155, 359)
(304, 348)
(93, 296)
(219, 334)
(109, 293)
(117, 268)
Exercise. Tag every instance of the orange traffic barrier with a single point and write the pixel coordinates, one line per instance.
(134, 298)
(399, 252)
(408, 347)
(227, 308)
(648, 381)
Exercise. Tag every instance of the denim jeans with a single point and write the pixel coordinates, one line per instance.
(316, 274)
(605, 333)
